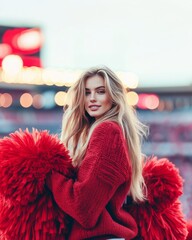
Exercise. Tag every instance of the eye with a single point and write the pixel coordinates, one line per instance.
(102, 91)
(87, 93)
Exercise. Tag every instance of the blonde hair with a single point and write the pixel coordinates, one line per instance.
(77, 125)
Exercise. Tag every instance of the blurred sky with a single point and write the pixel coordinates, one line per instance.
(152, 38)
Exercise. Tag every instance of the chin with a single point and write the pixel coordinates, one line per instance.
(95, 115)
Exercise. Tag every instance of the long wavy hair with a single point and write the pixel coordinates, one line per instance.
(77, 125)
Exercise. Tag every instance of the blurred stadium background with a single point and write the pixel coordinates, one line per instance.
(32, 96)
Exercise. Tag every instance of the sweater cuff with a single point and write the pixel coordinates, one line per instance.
(52, 177)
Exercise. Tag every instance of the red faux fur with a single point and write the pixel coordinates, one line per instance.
(189, 228)
(164, 184)
(160, 217)
(27, 209)
(169, 224)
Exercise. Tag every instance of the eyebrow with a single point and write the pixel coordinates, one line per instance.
(96, 87)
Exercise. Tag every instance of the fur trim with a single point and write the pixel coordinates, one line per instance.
(27, 209)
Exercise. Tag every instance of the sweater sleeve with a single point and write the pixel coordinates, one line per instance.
(103, 170)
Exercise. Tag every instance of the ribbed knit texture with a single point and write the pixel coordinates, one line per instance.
(95, 198)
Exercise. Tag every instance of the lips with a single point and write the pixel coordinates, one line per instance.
(94, 107)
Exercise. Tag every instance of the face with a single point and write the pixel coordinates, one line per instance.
(97, 100)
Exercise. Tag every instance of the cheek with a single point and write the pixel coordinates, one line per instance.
(108, 103)
(86, 103)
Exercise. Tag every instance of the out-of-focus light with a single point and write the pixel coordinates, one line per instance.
(29, 39)
(141, 103)
(161, 106)
(37, 101)
(8, 100)
(69, 78)
(148, 101)
(28, 75)
(58, 78)
(23, 40)
(7, 78)
(48, 76)
(132, 98)
(60, 98)
(31, 75)
(30, 61)
(12, 64)
(2, 100)
(152, 101)
(26, 100)
(59, 84)
(5, 50)
(5, 100)
(37, 75)
(169, 105)
(48, 99)
(130, 80)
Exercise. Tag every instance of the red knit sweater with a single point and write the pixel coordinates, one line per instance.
(94, 200)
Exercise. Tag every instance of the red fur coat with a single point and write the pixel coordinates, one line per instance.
(28, 210)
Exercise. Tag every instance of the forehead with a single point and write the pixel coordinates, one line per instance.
(94, 82)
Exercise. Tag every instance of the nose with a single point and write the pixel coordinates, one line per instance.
(92, 97)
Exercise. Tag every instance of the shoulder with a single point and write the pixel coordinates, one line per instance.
(108, 127)
(108, 145)
(107, 132)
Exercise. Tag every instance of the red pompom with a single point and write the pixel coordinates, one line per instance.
(160, 216)
(189, 228)
(169, 224)
(164, 184)
(27, 209)
(41, 219)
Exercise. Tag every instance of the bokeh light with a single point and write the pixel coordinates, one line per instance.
(29, 39)
(148, 101)
(130, 80)
(48, 99)
(5, 100)
(132, 98)
(60, 98)
(26, 100)
(5, 50)
(37, 101)
(12, 64)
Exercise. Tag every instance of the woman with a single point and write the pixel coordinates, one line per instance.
(103, 136)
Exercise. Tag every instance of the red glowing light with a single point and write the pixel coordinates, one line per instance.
(29, 61)
(28, 40)
(5, 50)
(152, 101)
(148, 101)
(23, 40)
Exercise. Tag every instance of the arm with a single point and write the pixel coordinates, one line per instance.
(103, 170)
